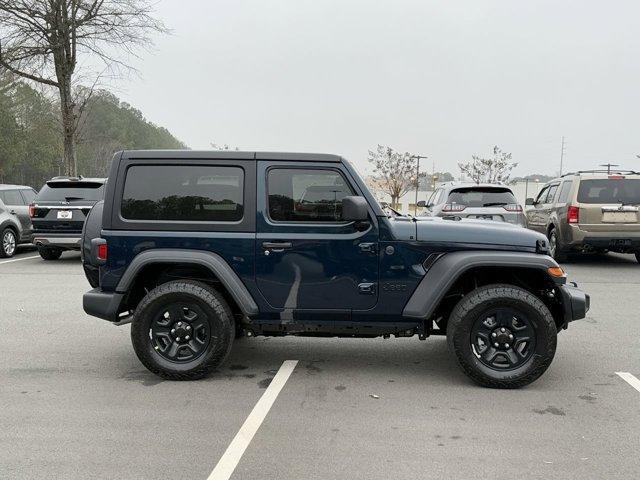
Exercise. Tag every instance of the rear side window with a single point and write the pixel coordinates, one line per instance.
(306, 195)
(11, 197)
(28, 195)
(482, 197)
(183, 193)
(564, 192)
(552, 193)
(71, 192)
(610, 191)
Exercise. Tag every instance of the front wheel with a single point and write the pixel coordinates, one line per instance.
(502, 336)
(182, 330)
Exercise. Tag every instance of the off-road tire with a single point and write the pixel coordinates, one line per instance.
(472, 306)
(559, 255)
(8, 232)
(48, 253)
(219, 316)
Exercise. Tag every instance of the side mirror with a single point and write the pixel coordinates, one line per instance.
(422, 204)
(355, 209)
(529, 201)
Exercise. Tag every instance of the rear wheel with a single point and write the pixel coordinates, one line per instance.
(182, 330)
(555, 246)
(49, 253)
(8, 243)
(502, 336)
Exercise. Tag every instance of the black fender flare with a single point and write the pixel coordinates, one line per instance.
(210, 260)
(448, 268)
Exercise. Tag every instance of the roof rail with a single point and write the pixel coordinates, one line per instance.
(610, 172)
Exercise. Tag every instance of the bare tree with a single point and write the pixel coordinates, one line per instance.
(495, 169)
(42, 41)
(395, 171)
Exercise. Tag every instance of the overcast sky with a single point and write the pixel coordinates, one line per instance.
(445, 79)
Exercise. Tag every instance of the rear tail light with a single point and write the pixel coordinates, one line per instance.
(103, 252)
(453, 207)
(32, 210)
(573, 214)
(513, 207)
(616, 177)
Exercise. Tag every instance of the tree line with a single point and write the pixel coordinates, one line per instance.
(31, 147)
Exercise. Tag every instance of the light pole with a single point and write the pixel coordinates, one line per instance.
(417, 157)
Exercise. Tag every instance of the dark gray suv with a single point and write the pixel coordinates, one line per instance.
(15, 224)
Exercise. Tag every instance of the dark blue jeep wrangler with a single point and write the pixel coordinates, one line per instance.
(197, 248)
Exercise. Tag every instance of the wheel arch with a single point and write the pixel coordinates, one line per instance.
(456, 274)
(154, 267)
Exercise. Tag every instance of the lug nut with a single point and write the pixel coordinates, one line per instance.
(178, 339)
(187, 337)
(188, 327)
(506, 345)
(502, 329)
(180, 324)
(494, 334)
(173, 330)
(510, 337)
(496, 345)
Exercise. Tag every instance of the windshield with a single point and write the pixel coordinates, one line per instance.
(63, 193)
(607, 190)
(482, 197)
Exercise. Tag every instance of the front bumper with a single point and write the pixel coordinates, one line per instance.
(576, 303)
(70, 241)
(105, 305)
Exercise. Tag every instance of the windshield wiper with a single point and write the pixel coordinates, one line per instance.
(495, 204)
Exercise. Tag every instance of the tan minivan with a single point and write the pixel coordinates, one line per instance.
(589, 211)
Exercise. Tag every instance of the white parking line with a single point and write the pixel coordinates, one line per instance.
(229, 461)
(630, 379)
(20, 259)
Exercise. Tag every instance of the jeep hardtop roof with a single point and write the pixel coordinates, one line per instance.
(231, 154)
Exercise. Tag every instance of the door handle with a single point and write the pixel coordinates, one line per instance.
(276, 246)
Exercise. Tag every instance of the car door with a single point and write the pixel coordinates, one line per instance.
(547, 207)
(309, 261)
(534, 214)
(18, 207)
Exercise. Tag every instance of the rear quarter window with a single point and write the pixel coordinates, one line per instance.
(183, 193)
(565, 190)
(607, 190)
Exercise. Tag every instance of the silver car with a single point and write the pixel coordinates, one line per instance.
(15, 223)
(456, 200)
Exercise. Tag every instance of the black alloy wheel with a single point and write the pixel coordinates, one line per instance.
(503, 338)
(182, 330)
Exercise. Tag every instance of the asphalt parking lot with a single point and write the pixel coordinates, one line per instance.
(76, 402)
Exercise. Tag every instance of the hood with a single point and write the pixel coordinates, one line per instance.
(436, 229)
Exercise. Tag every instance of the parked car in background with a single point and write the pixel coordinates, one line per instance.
(589, 211)
(15, 223)
(457, 200)
(59, 211)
